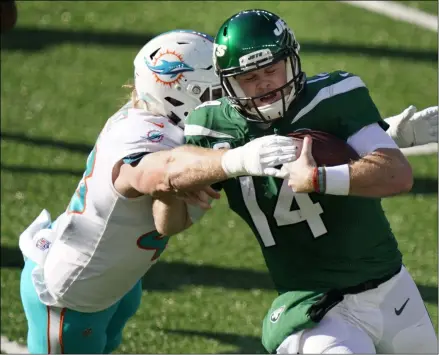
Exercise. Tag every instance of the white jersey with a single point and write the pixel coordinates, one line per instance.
(104, 243)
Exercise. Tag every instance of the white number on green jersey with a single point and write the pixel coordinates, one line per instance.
(308, 211)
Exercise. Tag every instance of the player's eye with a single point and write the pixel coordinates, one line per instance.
(249, 78)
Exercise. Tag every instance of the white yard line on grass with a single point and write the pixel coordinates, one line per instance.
(408, 14)
(398, 11)
(11, 347)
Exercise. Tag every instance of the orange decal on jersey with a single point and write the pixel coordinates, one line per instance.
(161, 125)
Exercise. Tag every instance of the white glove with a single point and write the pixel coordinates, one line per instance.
(259, 157)
(410, 128)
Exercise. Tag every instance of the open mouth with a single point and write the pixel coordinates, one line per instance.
(269, 99)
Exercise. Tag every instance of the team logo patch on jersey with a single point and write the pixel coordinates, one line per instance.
(154, 136)
(43, 244)
(276, 314)
(168, 67)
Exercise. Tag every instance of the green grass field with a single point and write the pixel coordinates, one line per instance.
(62, 71)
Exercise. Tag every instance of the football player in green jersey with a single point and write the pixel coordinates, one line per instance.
(328, 246)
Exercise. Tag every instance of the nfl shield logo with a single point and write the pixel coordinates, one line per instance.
(276, 314)
(43, 244)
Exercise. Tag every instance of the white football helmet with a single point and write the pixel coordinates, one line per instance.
(174, 73)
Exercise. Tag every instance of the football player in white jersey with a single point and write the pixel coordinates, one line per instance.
(80, 283)
(81, 279)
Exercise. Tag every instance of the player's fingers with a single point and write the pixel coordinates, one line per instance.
(307, 147)
(278, 141)
(281, 174)
(201, 196)
(288, 158)
(212, 193)
(278, 160)
(429, 111)
(432, 116)
(198, 199)
(188, 197)
(408, 113)
(279, 150)
(289, 149)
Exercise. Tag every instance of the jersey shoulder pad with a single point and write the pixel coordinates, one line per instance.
(141, 132)
(216, 119)
(326, 85)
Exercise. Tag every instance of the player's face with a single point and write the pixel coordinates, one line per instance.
(261, 81)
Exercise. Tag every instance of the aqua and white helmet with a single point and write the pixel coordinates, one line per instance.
(174, 73)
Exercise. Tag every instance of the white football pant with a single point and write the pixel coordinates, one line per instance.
(390, 319)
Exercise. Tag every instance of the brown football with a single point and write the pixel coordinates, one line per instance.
(327, 149)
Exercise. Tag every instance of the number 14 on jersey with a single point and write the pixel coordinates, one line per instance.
(308, 211)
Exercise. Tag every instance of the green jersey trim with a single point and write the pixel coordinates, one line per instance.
(341, 87)
(197, 130)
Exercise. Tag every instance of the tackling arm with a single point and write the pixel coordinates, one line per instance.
(170, 215)
(186, 168)
(190, 168)
(155, 174)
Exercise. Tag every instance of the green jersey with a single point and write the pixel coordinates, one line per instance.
(311, 242)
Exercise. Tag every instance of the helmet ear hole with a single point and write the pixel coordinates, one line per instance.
(225, 31)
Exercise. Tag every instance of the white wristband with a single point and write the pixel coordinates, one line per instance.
(231, 162)
(337, 180)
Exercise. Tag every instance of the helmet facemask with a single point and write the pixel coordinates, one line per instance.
(267, 113)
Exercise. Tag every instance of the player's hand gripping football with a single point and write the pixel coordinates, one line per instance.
(411, 128)
(299, 172)
(260, 157)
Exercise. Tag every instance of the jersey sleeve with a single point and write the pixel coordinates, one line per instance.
(210, 126)
(370, 138)
(127, 138)
(355, 108)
